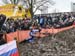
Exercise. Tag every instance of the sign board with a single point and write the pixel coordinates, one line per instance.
(8, 10)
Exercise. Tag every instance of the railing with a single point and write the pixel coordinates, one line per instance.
(24, 35)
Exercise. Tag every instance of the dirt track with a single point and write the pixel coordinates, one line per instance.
(62, 44)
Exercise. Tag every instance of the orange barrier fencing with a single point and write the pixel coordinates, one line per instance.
(55, 31)
(24, 35)
(11, 36)
(19, 35)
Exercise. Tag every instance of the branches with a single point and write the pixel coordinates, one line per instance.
(38, 2)
(40, 6)
(34, 5)
(29, 2)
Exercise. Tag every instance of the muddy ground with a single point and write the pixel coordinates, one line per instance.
(61, 44)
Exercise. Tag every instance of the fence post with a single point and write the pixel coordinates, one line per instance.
(17, 36)
(17, 43)
(53, 34)
(5, 37)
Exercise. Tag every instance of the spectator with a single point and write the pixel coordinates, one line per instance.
(2, 41)
(41, 21)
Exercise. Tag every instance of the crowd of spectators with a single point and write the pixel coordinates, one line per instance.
(11, 25)
(59, 21)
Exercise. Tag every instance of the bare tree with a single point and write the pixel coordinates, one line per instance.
(36, 4)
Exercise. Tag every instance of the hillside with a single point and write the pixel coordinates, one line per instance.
(61, 44)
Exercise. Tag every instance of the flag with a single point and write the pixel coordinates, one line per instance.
(9, 49)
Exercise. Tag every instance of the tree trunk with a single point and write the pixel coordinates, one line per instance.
(31, 9)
